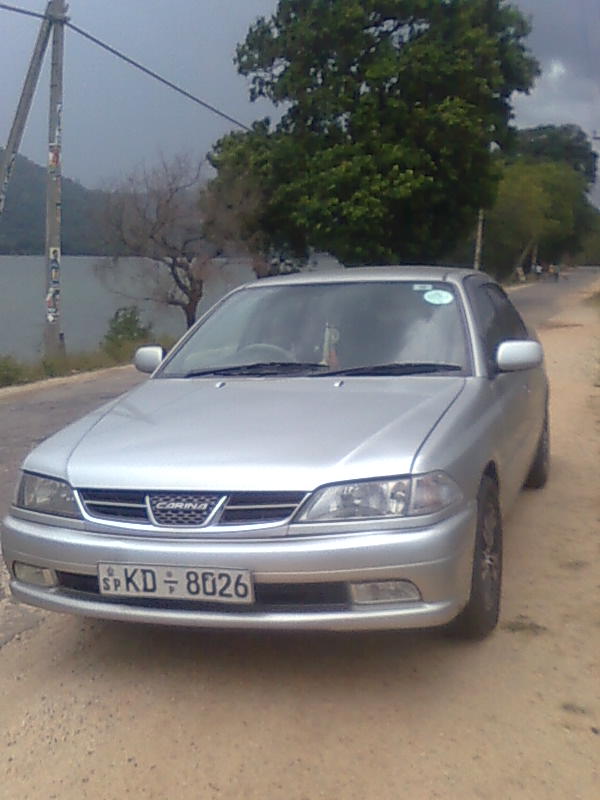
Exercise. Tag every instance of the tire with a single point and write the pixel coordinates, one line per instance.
(480, 616)
(538, 473)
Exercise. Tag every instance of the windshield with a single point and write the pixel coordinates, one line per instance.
(298, 329)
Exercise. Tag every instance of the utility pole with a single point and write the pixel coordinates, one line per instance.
(53, 22)
(479, 240)
(16, 132)
(54, 342)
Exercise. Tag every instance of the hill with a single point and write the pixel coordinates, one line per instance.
(22, 226)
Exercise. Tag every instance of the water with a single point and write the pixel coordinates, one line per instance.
(91, 293)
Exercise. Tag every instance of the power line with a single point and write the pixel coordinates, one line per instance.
(132, 63)
(155, 75)
(23, 11)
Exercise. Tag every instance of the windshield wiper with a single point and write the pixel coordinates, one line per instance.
(259, 368)
(396, 368)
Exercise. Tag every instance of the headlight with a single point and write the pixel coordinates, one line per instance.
(46, 495)
(391, 497)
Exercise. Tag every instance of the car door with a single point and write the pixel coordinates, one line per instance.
(509, 404)
(514, 327)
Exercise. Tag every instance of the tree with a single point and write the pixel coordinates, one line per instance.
(390, 107)
(564, 143)
(155, 213)
(231, 205)
(539, 205)
(590, 246)
(516, 222)
(570, 214)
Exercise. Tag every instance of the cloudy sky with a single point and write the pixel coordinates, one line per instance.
(115, 117)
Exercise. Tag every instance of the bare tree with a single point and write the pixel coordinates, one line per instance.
(155, 213)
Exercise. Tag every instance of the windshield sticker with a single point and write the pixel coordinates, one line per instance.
(438, 297)
(422, 287)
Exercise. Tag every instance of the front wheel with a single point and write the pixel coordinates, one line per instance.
(480, 615)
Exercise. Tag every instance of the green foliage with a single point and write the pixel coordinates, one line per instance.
(124, 335)
(73, 364)
(22, 225)
(539, 204)
(125, 332)
(383, 152)
(11, 371)
(231, 205)
(571, 215)
(590, 246)
(562, 143)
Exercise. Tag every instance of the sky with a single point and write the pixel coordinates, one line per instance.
(116, 118)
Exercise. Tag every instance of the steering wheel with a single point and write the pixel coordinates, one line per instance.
(261, 351)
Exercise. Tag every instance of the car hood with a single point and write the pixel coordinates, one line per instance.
(250, 434)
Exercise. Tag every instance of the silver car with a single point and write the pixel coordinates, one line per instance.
(321, 451)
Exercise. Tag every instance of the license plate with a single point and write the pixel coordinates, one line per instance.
(208, 584)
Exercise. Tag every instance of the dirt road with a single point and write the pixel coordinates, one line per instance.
(103, 711)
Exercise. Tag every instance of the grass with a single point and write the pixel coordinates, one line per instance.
(13, 372)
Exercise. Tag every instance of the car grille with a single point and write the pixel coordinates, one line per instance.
(268, 596)
(169, 510)
(109, 504)
(174, 509)
(254, 507)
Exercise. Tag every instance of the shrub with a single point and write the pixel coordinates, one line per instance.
(125, 333)
(11, 371)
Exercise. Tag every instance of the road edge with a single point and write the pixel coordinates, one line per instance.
(50, 383)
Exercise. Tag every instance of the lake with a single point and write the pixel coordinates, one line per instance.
(92, 290)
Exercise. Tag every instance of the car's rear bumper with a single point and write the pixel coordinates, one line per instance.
(436, 559)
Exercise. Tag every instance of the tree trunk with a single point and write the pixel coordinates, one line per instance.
(523, 255)
(191, 306)
(189, 309)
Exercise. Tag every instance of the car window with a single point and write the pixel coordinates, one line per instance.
(497, 318)
(338, 325)
(510, 323)
(485, 314)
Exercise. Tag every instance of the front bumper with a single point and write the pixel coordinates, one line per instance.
(437, 559)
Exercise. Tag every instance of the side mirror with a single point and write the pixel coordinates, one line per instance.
(518, 355)
(148, 358)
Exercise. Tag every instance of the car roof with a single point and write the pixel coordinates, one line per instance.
(371, 274)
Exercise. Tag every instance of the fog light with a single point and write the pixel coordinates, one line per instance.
(39, 576)
(384, 592)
